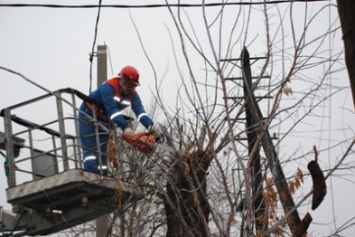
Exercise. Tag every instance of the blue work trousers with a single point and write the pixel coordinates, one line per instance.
(88, 141)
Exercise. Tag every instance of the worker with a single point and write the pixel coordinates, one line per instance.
(111, 98)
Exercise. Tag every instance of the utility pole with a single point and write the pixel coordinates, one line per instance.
(101, 64)
(257, 133)
(102, 222)
(273, 161)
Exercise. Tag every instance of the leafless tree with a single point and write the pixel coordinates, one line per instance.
(228, 175)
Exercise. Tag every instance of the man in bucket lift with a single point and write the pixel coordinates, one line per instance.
(112, 97)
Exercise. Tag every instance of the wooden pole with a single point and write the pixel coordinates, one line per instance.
(254, 152)
(102, 222)
(269, 149)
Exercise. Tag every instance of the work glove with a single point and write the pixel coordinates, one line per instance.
(128, 132)
(154, 130)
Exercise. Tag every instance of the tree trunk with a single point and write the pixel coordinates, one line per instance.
(187, 190)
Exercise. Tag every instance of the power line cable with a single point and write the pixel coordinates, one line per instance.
(153, 5)
(93, 44)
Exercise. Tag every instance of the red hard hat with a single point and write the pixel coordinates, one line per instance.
(130, 73)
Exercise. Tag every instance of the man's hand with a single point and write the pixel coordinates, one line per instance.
(154, 130)
(128, 132)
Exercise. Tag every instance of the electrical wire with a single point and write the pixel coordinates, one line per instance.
(93, 44)
(18, 219)
(153, 5)
(19, 215)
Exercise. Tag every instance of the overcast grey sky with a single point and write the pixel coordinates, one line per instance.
(51, 47)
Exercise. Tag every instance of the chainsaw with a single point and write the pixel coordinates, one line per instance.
(146, 142)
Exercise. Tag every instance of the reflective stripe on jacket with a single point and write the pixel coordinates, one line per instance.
(110, 95)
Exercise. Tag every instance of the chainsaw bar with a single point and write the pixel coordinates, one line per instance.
(165, 147)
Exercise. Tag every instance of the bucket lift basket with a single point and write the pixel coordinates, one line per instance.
(44, 166)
